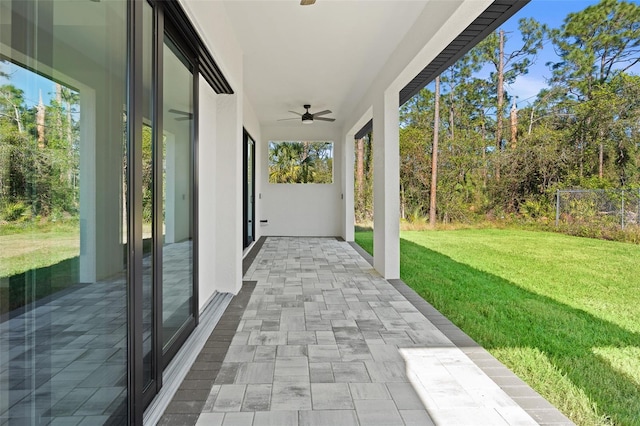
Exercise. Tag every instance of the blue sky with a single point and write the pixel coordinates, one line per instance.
(29, 82)
(553, 14)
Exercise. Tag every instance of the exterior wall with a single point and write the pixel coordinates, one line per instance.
(222, 118)
(299, 209)
(207, 193)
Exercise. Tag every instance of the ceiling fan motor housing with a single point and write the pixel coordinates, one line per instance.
(307, 117)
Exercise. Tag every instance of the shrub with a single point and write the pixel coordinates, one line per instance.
(14, 212)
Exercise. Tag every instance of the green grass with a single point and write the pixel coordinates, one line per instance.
(31, 247)
(36, 260)
(560, 311)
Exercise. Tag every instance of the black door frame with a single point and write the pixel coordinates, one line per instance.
(170, 19)
(246, 137)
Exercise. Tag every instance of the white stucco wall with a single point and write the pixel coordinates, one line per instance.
(207, 193)
(220, 157)
(300, 209)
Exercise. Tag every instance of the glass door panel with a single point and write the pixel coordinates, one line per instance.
(177, 183)
(64, 201)
(249, 182)
(148, 205)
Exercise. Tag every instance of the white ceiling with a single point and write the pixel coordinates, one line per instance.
(326, 55)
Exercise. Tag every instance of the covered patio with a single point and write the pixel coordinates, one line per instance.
(317, 337)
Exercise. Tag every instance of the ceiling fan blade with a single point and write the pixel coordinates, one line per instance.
(296, 113)
(324, 119)
(325, 112)
(307, 2)
(175, 111)
(285, 119)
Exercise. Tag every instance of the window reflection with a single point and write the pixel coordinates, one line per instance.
(63, 212)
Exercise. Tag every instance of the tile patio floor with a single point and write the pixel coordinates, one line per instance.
(317, 337)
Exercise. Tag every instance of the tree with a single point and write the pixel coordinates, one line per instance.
(596, 45)
(508, 66)
(434, 157)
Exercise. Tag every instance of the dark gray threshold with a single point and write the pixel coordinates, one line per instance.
(187, 403)
(251, 256)
(532, 402)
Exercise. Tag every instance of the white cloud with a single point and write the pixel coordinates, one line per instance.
(526, 87)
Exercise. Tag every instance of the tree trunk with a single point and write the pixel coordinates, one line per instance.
(59, 114)
(402, 201)
(359, 166)
(451, 116)
(514, 125)
(434, 157)
(601, 160)
(500, 90)
(18, 119)
(40, 120)
(359, 204)
(484, 154)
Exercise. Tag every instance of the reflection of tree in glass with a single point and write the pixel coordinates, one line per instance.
(39, 151)
(300, 162)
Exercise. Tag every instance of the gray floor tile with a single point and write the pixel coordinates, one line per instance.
(369, 391)
(405, 396)
(255, 372)
(324, 353)
(275, 418)
(211, 399)
(240, 353)
(416, 418)
(325, 338)
(320, 372)
(350, 372)
(210, 419)
(377, 412)
(331, 396)
(238, 419)
(291, 396)
(328, 418)
(229, 398)
(257, 398)
(286, 368)
(291, 351)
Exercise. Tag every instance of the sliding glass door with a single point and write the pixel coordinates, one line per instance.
(177, 199)
(168, 202)
(64, 204)
(249, 190)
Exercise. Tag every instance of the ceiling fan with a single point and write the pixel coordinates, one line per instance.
(308, 118)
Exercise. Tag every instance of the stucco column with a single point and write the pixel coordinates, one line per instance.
(386, 185)
(347, 188)
(228, 190)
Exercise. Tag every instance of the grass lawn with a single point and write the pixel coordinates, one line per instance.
(560, 311)
(22, 249)
(44, 254)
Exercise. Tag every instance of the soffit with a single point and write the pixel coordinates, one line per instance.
(326, 55)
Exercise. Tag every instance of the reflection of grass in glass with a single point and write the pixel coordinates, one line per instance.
(32, 247)
(36, 261)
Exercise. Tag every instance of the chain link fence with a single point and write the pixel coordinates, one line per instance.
(605, 207)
